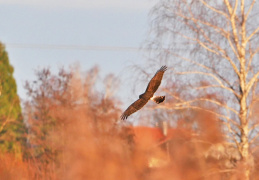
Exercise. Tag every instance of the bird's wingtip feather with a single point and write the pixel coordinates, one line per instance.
(163, 68)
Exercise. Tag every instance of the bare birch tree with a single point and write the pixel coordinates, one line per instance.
(212, 48)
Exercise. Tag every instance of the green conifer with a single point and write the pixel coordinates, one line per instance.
(12, 128)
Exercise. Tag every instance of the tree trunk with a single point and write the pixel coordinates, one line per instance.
(244, 149)
(243, 102)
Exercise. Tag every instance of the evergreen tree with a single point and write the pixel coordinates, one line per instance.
(12, 128)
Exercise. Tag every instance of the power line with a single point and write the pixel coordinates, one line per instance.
(86, 47)
(72, 47)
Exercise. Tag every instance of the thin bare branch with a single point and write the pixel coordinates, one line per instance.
(215, 10)
(231, 130)
(204, 45)
(251, 58)
(206, 68)
(211, 43)
(211, 75)
(249, 10)
(232, 47)
(252, 34)
(254, 126)
(251, 83)
(208, 100)
(191, 61)
(254, 138)
(233, 22)
(8, 119)
(217, 29)
(254, 100)
(171, 94)
(197, 108)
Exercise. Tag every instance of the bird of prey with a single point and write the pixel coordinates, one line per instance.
(147, 95)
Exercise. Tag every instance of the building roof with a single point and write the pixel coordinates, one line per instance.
(147, 137)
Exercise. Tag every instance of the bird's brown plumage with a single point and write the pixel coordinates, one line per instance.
(147, 95)
(156, 80)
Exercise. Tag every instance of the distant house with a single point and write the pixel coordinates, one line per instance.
(148, 140)
(158, 143)
(147, 137)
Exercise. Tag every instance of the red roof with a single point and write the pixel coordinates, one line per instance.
(147, 137)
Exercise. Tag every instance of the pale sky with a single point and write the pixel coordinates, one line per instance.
(84, 4)
(54, 33)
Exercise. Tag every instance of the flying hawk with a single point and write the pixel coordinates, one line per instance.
(147, 95)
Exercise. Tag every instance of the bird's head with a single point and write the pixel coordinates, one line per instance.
(141, 95)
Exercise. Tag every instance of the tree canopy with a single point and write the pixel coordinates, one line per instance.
(12, 128)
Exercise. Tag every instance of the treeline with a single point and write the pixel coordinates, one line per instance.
(69, 130)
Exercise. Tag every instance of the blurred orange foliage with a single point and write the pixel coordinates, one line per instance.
(75, 134)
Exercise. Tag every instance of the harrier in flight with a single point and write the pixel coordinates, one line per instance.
(147, 95)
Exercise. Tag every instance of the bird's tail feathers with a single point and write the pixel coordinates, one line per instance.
(158, 99)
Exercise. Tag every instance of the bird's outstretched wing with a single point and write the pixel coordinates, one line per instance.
(151, 89)
(137, 105)
(156, 80)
